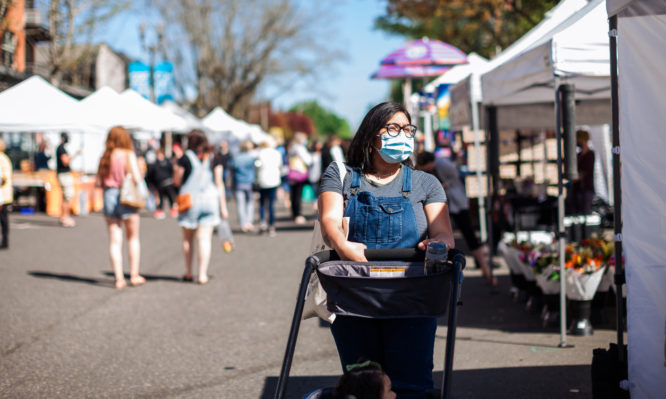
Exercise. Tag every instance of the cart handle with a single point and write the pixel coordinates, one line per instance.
(389, 254)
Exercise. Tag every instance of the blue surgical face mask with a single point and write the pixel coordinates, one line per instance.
(396, 149)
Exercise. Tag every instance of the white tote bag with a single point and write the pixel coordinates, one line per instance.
(315, 296)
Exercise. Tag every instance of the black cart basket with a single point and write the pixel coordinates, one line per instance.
(391, 284)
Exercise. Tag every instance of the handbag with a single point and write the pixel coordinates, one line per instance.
(315, 296)
(298, 171)
(184, 202)
(133, 193)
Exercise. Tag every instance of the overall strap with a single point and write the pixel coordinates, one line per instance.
(406, 181)
(356, 181)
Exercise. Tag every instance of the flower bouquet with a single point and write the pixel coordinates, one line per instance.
(585, 264)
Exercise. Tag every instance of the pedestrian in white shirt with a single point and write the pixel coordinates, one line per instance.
(268, 166)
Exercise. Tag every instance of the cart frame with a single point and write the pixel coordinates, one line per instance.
(407, 254)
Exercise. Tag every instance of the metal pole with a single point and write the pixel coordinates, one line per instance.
(492, 155)
(560, 218)
(479, 178)
(281, 389)
(617, 187)
(454, 297)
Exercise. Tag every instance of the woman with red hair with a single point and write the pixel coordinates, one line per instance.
(117, 161)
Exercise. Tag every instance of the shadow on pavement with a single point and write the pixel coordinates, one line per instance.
(151, 277)
(72, 278)
(104, 282)
(549, 382)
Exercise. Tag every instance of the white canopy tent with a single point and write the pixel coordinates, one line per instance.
(149, 116)
(224, 127)
(191, 121)
(467, 93)
(108, 109)
(575, 51)
(641, 29)
(34, 105)
(459, 72)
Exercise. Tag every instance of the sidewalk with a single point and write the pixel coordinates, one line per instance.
(66, 333)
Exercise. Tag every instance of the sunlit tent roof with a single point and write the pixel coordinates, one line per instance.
(460, 94)
(36, 105)
(218, 120)
(150, 116)
(458, 72)
(107, 108)
(575, 51)
(192, 122)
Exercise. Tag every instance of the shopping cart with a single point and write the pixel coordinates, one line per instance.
(352, 288)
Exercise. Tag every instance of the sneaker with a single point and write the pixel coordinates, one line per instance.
(299, 220)
(159, 214)
(173, 213)
(263, 226)
(227, 246)
(271, 232)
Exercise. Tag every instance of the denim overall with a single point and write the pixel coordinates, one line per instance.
(404, 347)
(205, 210)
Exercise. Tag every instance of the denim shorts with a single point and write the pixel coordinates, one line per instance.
(113, 209)
(204, 212)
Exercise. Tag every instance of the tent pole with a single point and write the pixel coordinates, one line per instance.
(407, 93)
(617, 189)
(492, 175)
(479, 178)
(560, 217)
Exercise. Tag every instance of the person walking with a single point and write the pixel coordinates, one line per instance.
(389, 205)
(581, 191)
(160, 173)
(243, 169)
(117, 161)
(6, 194)
(446, 171)
(195, 179)
(269, 164)
(300, 160)
(65, 179)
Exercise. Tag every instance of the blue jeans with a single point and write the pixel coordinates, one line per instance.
(244, 204)
(404, 348)
(267, 200)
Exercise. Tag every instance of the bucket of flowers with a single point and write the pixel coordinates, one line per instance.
(585, 264)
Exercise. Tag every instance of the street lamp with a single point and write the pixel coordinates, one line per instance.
(152, 50)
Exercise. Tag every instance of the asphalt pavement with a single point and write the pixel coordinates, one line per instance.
(65, 332)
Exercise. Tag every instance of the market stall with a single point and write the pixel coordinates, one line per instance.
(639, 27)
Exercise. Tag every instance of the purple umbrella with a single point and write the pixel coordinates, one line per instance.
(426, 52)
(408, 71)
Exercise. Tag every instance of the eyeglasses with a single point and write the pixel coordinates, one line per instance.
(393, 129)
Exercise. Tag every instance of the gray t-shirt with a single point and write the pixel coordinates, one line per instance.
(426, 189)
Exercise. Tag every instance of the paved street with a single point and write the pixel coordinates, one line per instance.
(66, 333)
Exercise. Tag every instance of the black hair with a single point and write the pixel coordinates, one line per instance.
(197, 141)
(424, 157)
(359, 150)
(365, 382)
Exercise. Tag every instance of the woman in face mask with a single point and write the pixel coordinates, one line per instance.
(389, 205)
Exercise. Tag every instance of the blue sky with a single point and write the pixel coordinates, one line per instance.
(348, 90)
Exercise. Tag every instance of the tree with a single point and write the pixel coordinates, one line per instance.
(481, 26)
(70, 21)
(231, 48)
(326, 123)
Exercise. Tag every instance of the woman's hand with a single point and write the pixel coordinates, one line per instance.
(354, 251)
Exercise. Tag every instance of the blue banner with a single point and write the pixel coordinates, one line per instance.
(163, 82)
(139, 78)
